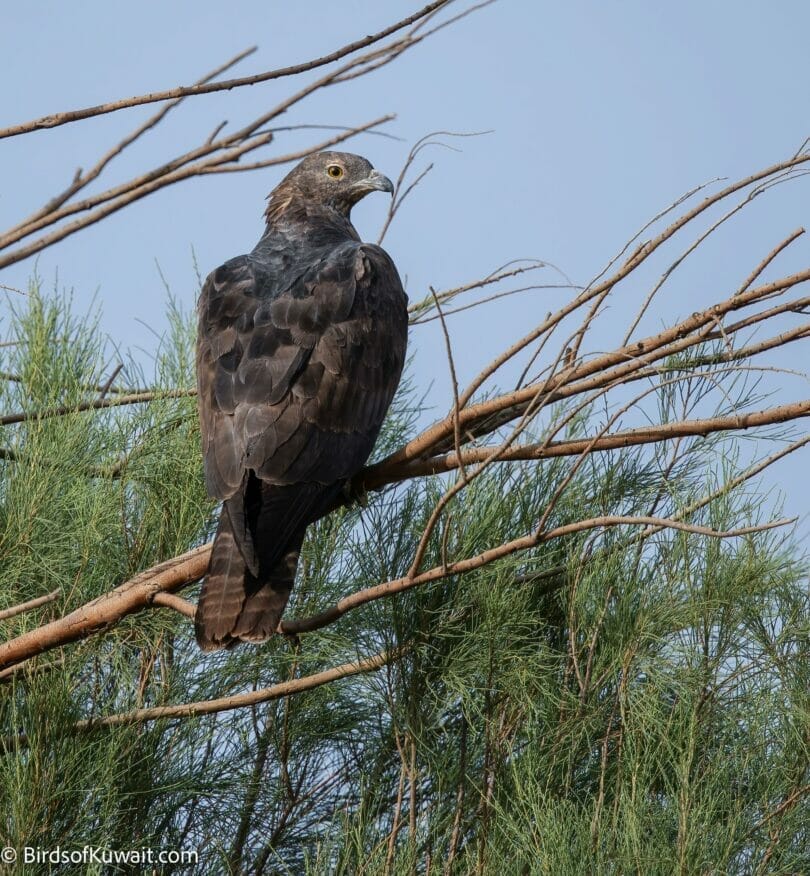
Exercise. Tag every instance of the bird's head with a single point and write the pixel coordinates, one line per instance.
(334, 179)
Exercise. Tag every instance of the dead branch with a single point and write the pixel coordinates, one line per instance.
(400, 585)
(609, 368)
(81, 180)
(30, 605)
(301, 153)
(383, 474)
(63, 118)
(496, 296)
(226, 704)
(401, 191)
(600, 291)
(95, 405)
(697, 242)
(427, 303)
(217, 154)
(769, 258)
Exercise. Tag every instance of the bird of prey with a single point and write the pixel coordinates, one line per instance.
(300, 348)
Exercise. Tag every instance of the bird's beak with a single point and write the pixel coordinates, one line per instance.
(378, 182)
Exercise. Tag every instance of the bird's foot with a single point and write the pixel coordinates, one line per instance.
(292, 638)
(355, 493)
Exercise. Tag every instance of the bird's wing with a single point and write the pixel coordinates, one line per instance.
(295, 376)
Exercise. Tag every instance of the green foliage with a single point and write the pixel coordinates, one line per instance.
(598, 704)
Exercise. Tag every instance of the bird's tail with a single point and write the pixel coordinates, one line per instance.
(253, 563)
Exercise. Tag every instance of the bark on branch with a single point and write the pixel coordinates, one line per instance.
(225, 704)
(54, 120)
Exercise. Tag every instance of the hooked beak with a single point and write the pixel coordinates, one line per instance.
(378, 182)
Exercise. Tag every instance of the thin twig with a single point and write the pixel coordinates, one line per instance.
(63, 118)
(109, 382)
(488, 299)
(82, 180)
(237, 701)
(447, 294)
(30, 605)
(6, 288)
(95, 404)
(345, 134)
(769, 258)
(454, 379)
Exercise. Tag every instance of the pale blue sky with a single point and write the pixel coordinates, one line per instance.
(602, 114)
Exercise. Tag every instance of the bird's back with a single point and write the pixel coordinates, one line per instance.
(301, 345)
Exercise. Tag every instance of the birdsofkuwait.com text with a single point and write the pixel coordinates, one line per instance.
(98, 855)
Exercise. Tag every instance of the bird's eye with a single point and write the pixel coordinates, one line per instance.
(335, 171)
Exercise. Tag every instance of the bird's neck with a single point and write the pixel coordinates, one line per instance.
(297, 226)
(287, 209)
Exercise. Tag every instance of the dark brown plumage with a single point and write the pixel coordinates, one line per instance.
(300, 349)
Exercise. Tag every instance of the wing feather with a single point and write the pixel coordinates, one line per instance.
(296, 370)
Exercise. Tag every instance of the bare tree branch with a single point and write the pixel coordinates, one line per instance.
(108, 609)
(63, 118)
(384, 474)
(217, 154)
(235, 701)
(96, 404)
(400, 585)
(752, 277)
(30, 605)
(81, 180)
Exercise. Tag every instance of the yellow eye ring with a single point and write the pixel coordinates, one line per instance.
(335, 171)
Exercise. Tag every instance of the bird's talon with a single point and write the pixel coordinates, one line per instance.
(293, 640)
(355, 494)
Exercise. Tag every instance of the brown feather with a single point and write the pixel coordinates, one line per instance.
(300, 349)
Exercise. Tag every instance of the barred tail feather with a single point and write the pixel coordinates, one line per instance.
(263, 607)
(223, 591)
(254, 559)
